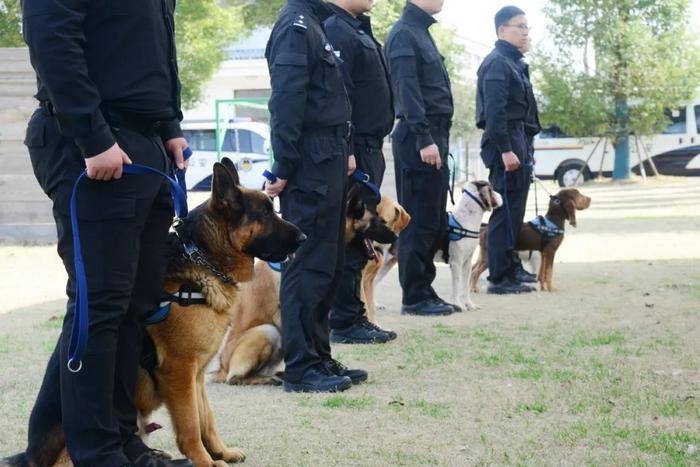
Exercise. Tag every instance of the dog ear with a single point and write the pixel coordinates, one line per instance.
(225, 194)
(356, 207)
(570, 211)
(231, 167)
(404, 219)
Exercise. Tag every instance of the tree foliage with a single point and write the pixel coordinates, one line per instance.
(204, 29)
(10, 24)
(605, 52)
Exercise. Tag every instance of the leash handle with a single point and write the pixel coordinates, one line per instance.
(79, 331)
(270, 176)
(453, 176)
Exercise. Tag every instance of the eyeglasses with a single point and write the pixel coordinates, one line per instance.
(522, 27)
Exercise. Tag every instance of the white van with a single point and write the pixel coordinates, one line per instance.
(675, 151)
(246, 143)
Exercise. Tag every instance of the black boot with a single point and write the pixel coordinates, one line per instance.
(318, 379)
(427, 308)
(140, 455)
(359, 333)
(507, 287)
(336, 368)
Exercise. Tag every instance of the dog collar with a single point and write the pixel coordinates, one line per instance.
(476, 200)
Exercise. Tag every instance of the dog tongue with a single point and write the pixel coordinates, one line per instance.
(369, 249)
(151, 427)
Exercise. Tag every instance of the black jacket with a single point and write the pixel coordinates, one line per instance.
(504, 96)
(116, 55)
(421, 85)
(364, 71)
(307, 85)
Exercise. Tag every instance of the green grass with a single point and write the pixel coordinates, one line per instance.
(345, 402)
(536, 407)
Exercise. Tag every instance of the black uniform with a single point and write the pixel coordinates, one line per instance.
(424, 108)
(507, 112)
(310, 115)
(106, 73)
(369, 88)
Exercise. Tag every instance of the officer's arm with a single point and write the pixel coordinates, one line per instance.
(343, 46)
(289, 76)
(496, 83)
(53, 30)
(402, 58)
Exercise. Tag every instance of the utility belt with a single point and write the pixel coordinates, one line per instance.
(368, 141)
(117, 120)
(343, 131)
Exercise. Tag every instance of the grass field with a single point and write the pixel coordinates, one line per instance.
(603, 371)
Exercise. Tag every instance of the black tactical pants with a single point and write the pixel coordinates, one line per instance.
(422, 191)
(123, 227)
(505, 223)
(347, 306)
(314, 200)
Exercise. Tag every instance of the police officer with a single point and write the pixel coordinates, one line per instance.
(109, 95)
(424, 108)
(369, 89)
(310, 117)
(507, 112)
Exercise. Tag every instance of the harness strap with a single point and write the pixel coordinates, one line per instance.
(455, 231)
(79, 332)
(186, 296)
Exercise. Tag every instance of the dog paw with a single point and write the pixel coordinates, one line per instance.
(472, 307)
(379, 306)
(234, 455)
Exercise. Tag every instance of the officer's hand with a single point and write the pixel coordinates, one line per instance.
(511, 161)
(175, 148)
(107, 165)
(352, 164)
(431, 155)
(274, 189)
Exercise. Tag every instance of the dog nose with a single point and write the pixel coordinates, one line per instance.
(301, 238)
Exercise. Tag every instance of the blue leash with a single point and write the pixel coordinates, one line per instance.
(358, 176)
(79, 333)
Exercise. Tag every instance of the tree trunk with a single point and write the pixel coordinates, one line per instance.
(622, 143)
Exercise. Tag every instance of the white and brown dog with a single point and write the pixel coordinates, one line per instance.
(477, 198)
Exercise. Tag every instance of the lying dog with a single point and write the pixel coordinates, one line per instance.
(234, 226)
(544, 234)
(253, 352)
(477, 198)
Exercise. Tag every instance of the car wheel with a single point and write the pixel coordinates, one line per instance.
(568, 174)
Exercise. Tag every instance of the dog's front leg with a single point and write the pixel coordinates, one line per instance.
(466, 272)
(178, 385)
(210, 436)
(456, 269)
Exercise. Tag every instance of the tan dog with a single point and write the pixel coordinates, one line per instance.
(253, 348)
(562, 208)
(235, 225)
(394, 216)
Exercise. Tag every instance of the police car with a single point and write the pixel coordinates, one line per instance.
(675, 151)
(245, 142)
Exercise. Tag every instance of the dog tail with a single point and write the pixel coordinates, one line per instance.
(18, 460)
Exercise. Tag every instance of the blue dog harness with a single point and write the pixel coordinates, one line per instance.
(455, 231)
(545, 227)
(186, 296)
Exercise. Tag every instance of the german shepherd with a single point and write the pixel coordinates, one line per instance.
(230, 229)
(253, 349)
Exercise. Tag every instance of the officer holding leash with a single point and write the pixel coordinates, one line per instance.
(109, 95)
(424, 108)
(507, 112)
(310, 118)
(368, 85)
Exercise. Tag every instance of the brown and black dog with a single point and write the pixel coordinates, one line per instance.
(230, 229)
(395, 217)
(562, 208)
(253, 352)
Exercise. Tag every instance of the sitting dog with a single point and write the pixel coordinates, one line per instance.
(543, 234)
(226, 233)
(477, 198)
(253, 351)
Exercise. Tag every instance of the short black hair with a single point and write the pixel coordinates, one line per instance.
(505, 14)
